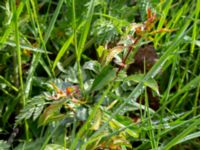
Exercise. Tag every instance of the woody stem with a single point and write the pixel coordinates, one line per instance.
(126, 56)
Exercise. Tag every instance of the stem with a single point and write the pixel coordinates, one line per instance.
(76, 48)
(130, 48)
(19, 62)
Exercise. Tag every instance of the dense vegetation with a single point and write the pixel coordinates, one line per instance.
(99, 74)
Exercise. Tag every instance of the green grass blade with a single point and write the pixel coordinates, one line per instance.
(8, 84)
(10, 27)
(19, 61)
(104, 78)
(163, 17)
(53, 21)
(63, 50)
(182, 135)
(85, 128)
(152, 73)
(23, 46)
(193, 84)
(7, 33)
(167, 55)
(194, 31)
(85, 32)
(37, 57)
(51, 26)
(189, 137)
(192, 46)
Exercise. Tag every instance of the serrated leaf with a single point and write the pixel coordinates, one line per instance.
(38, 111)
(25, 113)
(31, 109)
(105, 76)
(151, 83)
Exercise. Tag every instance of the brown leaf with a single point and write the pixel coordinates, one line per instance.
(146, 54)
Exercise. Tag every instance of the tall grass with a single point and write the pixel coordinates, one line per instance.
(67, 98)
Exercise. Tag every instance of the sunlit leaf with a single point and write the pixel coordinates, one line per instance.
(112, 53)
(112, 104)
(97, 120)
(117, 141)
(92, 65)
(82, 113)
(54, 147)
(100, 51)
(38, 111)
(50, 113)
(122, 122)
(189, 39)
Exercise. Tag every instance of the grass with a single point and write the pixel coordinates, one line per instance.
(63, 84)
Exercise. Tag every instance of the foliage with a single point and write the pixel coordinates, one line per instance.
(99, 74)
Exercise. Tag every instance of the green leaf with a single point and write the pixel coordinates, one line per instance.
(53, 20)
(122, 122)
(4, 145)
(189, 137)
(51, 113)
(38, 111)
(31, 109)
(92, 65)
(26, 46)
(86, 29)
(63, 50)
(151, 83)
(105, 76)
(182, 135)
(100, 51)
(97, 120)
(30, 145)
(54, 147)
(82, 113)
